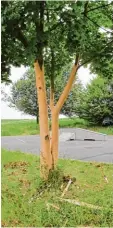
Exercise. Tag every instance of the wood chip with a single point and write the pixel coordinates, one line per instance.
(82, 204)
(52, 205)
(106, 180)
(65, 190)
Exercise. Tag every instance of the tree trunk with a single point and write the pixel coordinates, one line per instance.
(54, 139)
(49, 153)
(45, 158)
(37, 119)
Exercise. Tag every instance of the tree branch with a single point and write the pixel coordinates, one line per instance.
(102, 6)
(85, 8)
(68, 86)
(98, 25)
(77, 59)
(15, 31)
(54, 26)
(100, 54)
(52, 81)
(40, 34)
(21, 37)
(57, 24)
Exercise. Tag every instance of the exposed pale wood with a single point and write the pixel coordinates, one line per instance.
(49, 150)
(67, 88)
(52, 205)
(45, 159)
(54, 139)
(55, 110)
(75, 202)
(66, 189)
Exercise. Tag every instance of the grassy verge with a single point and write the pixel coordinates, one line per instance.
(77, 122)
(19, 127)
(29, 202)
(29, 127)
(104, 130)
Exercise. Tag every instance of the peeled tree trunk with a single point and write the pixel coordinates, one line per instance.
(49, 148)
(54, 137)
(45, 155)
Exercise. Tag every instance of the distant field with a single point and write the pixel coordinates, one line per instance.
(29, 127)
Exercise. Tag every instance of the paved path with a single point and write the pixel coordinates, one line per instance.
(101, 151)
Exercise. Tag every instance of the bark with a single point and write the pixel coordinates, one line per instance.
(45, 158)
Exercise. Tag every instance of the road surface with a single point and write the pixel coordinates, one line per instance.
(101, 151)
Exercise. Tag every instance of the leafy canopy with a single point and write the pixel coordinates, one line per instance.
(39, 29)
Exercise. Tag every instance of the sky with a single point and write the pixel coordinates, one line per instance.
(16, 73)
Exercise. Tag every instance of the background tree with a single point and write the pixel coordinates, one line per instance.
(24, 96)
(97, 101)
(56, 32)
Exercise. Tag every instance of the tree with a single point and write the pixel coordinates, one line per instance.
(24, 96)
(97, 101)
(52, 34)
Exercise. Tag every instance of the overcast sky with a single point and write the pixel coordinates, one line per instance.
(16, 73)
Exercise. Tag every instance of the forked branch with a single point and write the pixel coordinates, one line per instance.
(68, 86)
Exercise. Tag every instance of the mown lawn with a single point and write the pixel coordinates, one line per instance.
(29, 202)
(29, 127)
(19, 127)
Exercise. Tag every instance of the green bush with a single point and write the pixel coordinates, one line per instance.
(97, 101)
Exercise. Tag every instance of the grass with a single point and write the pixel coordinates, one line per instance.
(29, 127)
(77, 122)
(19, 127)
(26, 199)
(104, 130)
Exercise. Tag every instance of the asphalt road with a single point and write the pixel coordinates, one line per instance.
(101, 151)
